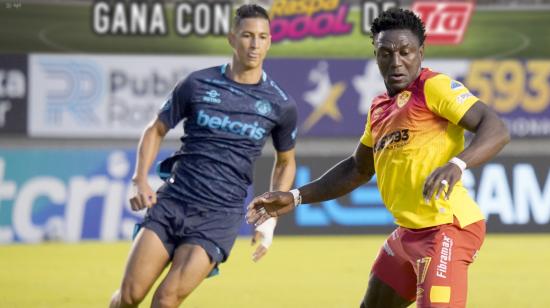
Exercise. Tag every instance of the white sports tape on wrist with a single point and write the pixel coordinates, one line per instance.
(459, 163)
(266, 229)
(297, 197)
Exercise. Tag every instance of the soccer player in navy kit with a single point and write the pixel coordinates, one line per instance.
(193, 220)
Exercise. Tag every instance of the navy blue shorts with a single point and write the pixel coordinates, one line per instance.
(176, 223)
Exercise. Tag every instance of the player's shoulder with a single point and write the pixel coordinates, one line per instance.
(278, 93)
(439, 82)
(210, 72)
(379, 99)
(195, 78)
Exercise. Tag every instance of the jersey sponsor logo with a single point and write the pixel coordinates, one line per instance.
(463, 97)
(446, 22)
(455, 85)
(444, 256)
(212, 96)
(392, 140)
(263, 107)
(403, 98)
(376, 113)
(250, 130)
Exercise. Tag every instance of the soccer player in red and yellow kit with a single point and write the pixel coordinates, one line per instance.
(414, 142)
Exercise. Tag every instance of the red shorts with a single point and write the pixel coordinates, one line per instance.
(430, 265)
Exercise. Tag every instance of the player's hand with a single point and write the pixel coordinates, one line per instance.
(269, 204)
(441, 182)
(264, 236)
(143, 196)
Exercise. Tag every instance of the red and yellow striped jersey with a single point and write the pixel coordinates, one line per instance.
(412, 134)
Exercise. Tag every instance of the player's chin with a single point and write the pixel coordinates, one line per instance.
(252, 63)
(398, 86)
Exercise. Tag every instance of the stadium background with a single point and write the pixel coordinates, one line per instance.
(73, 103)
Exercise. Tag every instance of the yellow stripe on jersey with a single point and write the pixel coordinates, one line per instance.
(412, 134)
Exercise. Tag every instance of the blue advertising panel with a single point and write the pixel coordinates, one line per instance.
(512, 192)
(68, 195)
(74, 195)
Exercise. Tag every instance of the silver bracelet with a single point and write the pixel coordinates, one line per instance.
(459, 163)
(297, 197)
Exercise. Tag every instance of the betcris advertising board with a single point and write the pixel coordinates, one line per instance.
(69, 195)
(66, 194)
(82, 194)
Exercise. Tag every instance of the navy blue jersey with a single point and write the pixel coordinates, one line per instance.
(226, 124)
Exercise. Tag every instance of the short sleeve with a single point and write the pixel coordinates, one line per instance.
(284, 134)
(366, 139)
(448, 98)
(173, 109)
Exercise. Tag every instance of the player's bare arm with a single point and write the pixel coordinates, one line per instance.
(282, 177)
(148, 149)
(491, 135)
(338, 181)
(284, 170)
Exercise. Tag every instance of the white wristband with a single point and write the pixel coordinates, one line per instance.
(459, 163)
(297, 197)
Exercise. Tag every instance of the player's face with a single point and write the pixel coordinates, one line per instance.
(251, 40)
(399, 55)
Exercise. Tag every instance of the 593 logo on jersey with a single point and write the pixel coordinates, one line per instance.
(392, 140)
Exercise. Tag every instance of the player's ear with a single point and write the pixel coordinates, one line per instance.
(231, 37)
(421, 52)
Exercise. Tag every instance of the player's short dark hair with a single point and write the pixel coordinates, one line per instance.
(399, 19)
(249, 11)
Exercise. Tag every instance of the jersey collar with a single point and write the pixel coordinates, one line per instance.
(223, 69)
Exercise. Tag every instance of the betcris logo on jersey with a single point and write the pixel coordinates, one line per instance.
(251, 130)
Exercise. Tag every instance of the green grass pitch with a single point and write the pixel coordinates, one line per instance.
(68, 28)
(511, 271)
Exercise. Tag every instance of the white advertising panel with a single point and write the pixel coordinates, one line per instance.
(106, 96)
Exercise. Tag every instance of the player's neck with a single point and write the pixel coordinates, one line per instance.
(241, 74)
